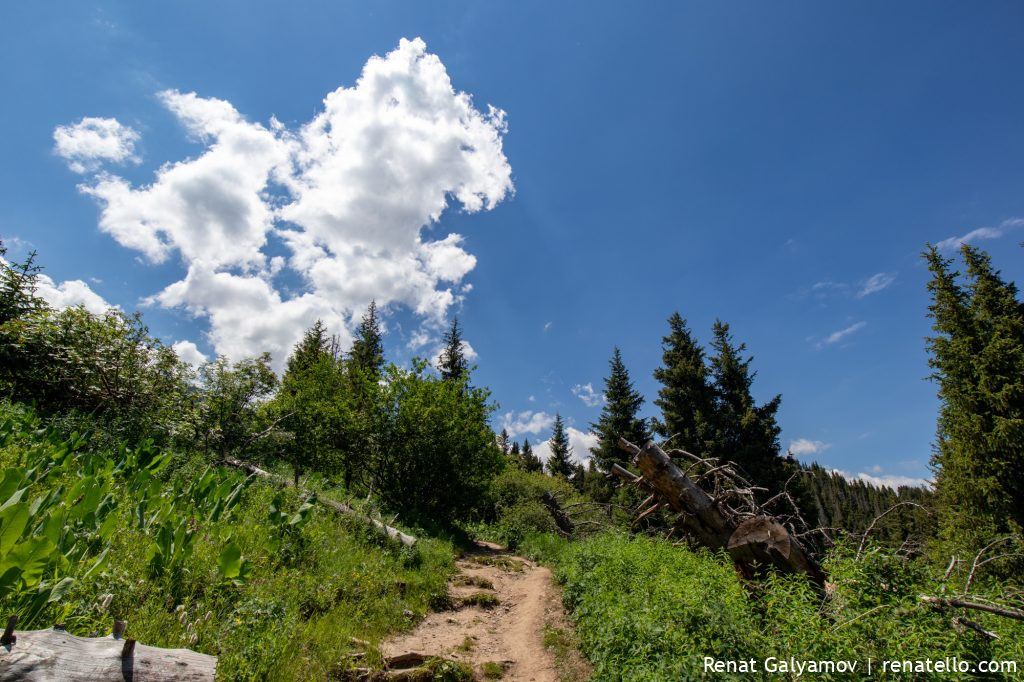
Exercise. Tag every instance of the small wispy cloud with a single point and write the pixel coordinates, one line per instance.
(803, 447)
(876, 283)
(837, 336)
(588, 395)
(547, 326)
(981, 233)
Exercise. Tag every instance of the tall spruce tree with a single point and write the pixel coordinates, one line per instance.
(560, 461)
(368, 348)
(618, 416)
(452, 363)
(745, 433)
(978, 362)
(686, 397)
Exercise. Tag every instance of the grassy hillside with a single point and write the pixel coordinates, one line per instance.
(646, 610)
(195, 556)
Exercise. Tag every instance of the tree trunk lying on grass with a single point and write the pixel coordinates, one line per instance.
(751, 537)
(56, 656)
(339, 507)
(561, 519)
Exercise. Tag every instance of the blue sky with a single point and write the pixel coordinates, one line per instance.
(778, 166)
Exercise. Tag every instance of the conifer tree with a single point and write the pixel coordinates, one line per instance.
(978, 362)
(368, 348)
(503, 441)
(745, 433)
(531, 462)
(452, 364)
(618, 416)
(560, 462)
(315, 344)
(686, 398)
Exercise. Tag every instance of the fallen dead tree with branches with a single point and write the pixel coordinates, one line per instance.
(339, 507)
(716, 507)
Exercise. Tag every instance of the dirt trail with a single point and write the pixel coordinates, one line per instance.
(501, 605)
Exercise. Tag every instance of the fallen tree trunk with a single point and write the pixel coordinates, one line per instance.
(339, 507)
(562, 519)
(752, 540)
(56, 656)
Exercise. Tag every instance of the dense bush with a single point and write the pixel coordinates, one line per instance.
(436, 455)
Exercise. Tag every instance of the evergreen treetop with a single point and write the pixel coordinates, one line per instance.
(368, 348)
(686, 398)
(560, 461)
(618, 416)
(452, 363)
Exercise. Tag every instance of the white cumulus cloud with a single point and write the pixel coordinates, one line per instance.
(70, 293)
(350, 194)
(526, 422)
(190, 353)
(86, 144)
(802, 447)
(588, 395)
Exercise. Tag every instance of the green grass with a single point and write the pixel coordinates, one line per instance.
(645, 610)
(312, 587)
(492, 670)
(484, 600)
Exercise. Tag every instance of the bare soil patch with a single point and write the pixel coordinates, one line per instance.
(502, 632)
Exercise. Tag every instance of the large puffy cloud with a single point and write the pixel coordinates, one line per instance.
(356, 188)
(91, 141)
(209, 208)
(247, 315)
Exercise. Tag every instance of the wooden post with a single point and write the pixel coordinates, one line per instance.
(119, 626)
(9, 637)
(128, 649)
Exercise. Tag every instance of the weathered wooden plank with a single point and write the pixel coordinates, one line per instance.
(57, 656)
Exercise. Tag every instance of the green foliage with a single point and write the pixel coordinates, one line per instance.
(645, 610)
(368, 349)
(559, 464)
(227, 409)
(100, 364)
(977, 355)
(188, 554)
(618, 416)
(452, 363)
(437, 454)
(685, 396)
(517, 507)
